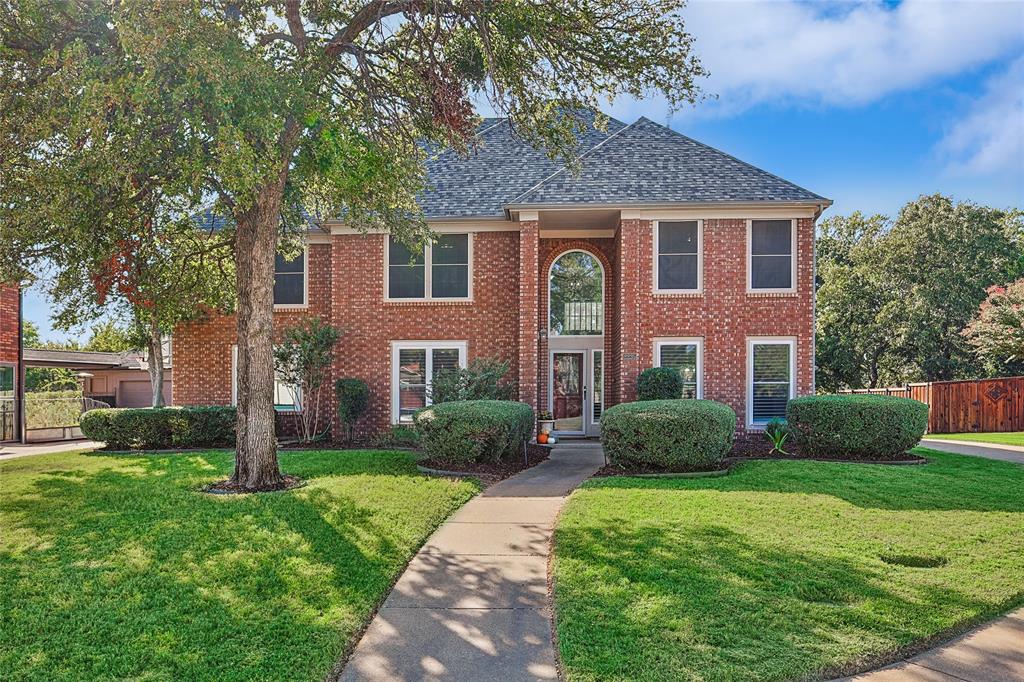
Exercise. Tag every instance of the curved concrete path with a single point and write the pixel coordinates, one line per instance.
(992, 653)
(473, 603)
(1006, 453)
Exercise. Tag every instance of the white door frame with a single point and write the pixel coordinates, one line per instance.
(585, 378)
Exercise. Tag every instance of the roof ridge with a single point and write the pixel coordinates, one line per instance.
(625, 127)
(728, 155)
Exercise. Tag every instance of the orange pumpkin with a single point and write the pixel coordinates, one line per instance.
(542, 438)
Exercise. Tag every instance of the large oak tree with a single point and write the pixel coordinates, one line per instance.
(276, 111)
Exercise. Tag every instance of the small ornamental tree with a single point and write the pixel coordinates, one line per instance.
(997, 332)
(303, 361)
(484, 379)
(353, 397)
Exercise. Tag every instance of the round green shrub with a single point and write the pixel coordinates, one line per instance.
(474, 430)
(856, 426)
(659, 383)
(674, 435)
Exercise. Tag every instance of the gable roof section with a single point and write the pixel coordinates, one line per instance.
(647, 163)
(500, 169)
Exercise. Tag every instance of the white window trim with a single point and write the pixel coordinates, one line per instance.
(428, 346)
(428, 262)
(604, 293)
(305, 285)
(792, 264)
(700, 260)
(234, 386)
(767, 341)
(679, 341)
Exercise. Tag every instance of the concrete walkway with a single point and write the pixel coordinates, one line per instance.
(14, 450)
(1007, 453)
(473, 603)
(992, 653)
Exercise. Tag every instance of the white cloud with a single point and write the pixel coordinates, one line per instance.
(789, 52)
(990, 137)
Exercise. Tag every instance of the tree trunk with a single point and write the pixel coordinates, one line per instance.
(156, 363)
(256, 466)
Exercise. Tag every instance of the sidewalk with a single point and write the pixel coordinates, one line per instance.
(992, 653)
(15, 450)
(473, 603)
(1006, 453)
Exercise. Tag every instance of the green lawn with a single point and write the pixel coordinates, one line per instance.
(1012, 438)
(117, 567)
(774, 571)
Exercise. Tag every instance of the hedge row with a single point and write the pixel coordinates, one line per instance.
(674, 435)
(856, 426)
(151, 428)
(474, 430)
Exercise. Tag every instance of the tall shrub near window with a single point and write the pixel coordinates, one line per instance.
(353, 397)
(303, 361)
(484, 379)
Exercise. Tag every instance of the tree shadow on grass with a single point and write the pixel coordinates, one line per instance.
(948, 482)
(654, 602)
(121, 568)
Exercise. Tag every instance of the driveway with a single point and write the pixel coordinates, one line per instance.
(15, 450)
(1006, 453)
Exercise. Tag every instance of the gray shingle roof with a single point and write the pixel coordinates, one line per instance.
(642, 163)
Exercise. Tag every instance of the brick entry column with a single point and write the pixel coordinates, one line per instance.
(628, 332)
(529, 236)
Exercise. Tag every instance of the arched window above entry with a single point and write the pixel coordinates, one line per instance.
(576, 295)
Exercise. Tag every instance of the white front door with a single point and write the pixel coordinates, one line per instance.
(575, 402)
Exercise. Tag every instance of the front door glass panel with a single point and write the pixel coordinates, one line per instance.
(568, 391)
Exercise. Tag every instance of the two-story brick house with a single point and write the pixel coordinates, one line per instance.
(659, 251)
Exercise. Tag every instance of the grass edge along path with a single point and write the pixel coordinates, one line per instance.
(776, 571)
(116, 566)
(1009, 438)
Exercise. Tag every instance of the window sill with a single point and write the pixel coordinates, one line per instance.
(772, 294)
(291, 306)
(394, 302)
(678, 294)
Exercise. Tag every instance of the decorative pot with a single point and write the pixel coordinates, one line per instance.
(545, 425)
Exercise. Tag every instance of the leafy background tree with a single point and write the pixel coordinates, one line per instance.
(303, 361)
(893, 296)
(283, 109)
(997, 332)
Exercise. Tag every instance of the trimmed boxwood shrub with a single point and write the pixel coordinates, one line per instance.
(474, 430)
(659, 383)
(673, 435)
(856, 426)
(149, 428)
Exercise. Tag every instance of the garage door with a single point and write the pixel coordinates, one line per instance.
(134, 394)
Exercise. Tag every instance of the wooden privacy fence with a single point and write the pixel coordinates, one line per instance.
(983, 405)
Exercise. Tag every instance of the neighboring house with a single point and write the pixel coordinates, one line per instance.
(118, 379)
(660, 251)
(10, 361)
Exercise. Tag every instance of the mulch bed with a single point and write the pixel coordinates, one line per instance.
(492, 472)
(226, 487)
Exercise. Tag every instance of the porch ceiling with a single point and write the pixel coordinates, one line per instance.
(583, 219)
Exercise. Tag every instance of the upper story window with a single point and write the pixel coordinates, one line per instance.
(440, 270)
(290, 280)
(771, 378)
(683, 355)
(771, 248)
(576, 295)
(677, 264)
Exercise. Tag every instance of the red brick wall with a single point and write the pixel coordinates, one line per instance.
(507, 312)
(9, 303)
(725, 314)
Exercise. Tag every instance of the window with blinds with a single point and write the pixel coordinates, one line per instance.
(683, 356)
(416, 366)
(772, 379)
(678, 256)
(439, 270)
(771, 254)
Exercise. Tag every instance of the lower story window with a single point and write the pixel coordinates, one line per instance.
(414, 364)
(287, 398)
(684, 355)
(770, 378)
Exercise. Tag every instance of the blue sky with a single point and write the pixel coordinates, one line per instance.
(868, 103)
